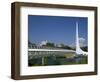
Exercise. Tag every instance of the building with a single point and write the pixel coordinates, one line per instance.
(43, 43)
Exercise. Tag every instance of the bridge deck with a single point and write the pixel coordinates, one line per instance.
(48, 52)
(57, 50)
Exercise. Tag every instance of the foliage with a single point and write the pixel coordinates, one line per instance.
(50, 44)
(65, 47)
(84, 48)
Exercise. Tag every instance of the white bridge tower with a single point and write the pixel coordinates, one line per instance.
(78, 49)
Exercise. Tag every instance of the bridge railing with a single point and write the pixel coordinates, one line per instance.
(36, 54)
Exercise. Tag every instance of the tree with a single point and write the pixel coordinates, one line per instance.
(65, 46)
(85, 48)
(50, 44)
(31, 45)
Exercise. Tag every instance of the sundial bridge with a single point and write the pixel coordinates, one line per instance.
(36, 52)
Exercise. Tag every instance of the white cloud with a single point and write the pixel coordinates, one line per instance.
(82, 41)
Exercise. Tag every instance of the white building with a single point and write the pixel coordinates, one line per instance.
(43, 42)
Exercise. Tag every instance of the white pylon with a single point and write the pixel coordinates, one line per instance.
(78, 49)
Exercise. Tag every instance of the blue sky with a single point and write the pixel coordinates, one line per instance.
(56, 29)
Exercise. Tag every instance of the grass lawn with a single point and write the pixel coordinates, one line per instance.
(67, 59)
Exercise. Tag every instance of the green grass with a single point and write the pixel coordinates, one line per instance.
(57, 60)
